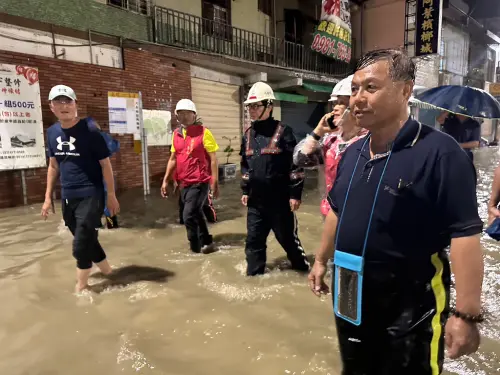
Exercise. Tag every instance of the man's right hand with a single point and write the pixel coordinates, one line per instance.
(244, 200)
(164, 189)
(317, 279)
(47, 205)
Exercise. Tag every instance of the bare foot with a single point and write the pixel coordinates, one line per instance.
(80, 288)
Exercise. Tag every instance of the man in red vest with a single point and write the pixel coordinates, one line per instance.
(193, 163)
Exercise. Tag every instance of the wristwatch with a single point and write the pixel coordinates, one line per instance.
(315, 136)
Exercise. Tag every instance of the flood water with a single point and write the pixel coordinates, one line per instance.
(170, 312)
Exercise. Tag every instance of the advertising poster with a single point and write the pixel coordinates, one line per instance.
(123, 110)
(22, 144)
(333, 37)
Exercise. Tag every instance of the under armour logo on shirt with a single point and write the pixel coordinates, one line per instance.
(70, 144)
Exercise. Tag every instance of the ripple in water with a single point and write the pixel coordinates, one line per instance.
(243, 292)
(127, 353)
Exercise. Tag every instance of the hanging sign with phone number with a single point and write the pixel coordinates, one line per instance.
(332, 37)
(335, 44)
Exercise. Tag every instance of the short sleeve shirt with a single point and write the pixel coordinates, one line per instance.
(427, 196)
(208, 141)
(78, 151)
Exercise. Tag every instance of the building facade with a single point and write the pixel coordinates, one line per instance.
(467, 52)
(209, 50)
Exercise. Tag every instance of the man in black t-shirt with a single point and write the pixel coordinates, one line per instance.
(79, 154)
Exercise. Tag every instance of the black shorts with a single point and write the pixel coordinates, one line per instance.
(83, 218)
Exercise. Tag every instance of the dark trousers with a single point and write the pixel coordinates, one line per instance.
(193, 199)
(402, 327)
(262, 217)
(208, 210)
(83, 217)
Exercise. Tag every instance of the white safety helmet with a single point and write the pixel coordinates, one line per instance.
(343, 88)
(260, 91)
(185, 105)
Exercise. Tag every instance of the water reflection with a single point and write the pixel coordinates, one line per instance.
(168, 311)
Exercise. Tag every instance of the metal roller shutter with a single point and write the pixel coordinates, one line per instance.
(219, 106)
(302, 118)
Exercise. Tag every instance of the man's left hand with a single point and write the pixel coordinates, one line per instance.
(294, 204)
(113, 205)
(461, 337)
(215, 190)
(493, 213)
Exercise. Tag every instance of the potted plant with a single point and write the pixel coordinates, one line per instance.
(228, 170)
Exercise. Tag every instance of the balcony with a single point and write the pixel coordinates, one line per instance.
(198, 34)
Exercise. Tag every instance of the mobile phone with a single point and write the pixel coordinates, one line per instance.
(330, 122)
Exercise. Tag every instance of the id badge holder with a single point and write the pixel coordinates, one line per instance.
(348, 286)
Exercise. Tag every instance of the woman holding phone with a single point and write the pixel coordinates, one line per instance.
(334, 133)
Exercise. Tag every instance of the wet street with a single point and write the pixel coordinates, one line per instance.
(170, 312)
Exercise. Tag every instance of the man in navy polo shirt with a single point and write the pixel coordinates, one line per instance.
(80, 155)
(401, 196)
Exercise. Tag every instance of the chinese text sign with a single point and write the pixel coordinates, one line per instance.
(123, 110)
(22, 144)
(332, 37)
(427, 27)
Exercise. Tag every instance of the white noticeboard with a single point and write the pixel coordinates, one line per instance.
(158, 127)
(123, 113)
(22, 144)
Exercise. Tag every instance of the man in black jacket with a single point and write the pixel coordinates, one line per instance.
(271, 184)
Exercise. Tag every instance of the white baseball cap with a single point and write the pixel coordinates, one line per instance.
(62, 90)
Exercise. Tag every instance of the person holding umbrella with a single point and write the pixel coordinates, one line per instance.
(462, 106)
(465, 130)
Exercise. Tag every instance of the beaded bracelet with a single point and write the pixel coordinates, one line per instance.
(467, 317)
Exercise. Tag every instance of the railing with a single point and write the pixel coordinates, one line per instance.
(187, 31)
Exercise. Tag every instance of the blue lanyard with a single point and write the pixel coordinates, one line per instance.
(374, 199)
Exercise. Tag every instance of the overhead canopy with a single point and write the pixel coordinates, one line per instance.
(317, 88)
(287, 97)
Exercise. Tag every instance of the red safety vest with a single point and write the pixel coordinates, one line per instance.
(193, 162)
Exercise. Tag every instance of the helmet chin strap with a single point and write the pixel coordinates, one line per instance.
(269, 103)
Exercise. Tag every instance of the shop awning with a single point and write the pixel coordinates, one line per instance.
(317, 88)
(286, 97)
